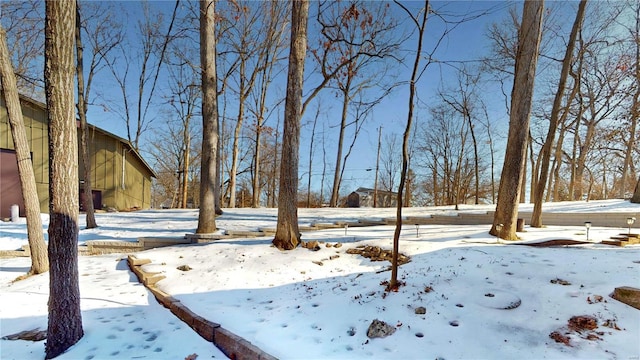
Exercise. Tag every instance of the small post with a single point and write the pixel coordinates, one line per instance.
(346, 227)
(15, 213)
(630, 221)
(587, 224)
(498, 230)
(417, 230)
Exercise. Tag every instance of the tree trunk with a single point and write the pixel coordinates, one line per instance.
(287, 233)
(536, 217)
(236, 139)
(635, 113)
(207, 214)
(529, 35)
(84, 131)
(636, 194)
(375, 180)
(185, 166)
(310, 168)
(65, 319)
(39, 260)
(393, 282)
(335, 190)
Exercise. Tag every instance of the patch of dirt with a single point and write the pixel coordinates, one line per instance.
(375, 253)
(560, 338)
(30, 335)
(558, 242)
(560, 282)
(583, 326)
(582, 322)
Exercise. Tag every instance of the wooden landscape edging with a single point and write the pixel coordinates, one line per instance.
(232, 345)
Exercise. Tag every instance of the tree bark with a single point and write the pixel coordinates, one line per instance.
(536, 217)
(207, 214)
(39, 260)
(529, 35)
(335, 190)
(65, 319)
(636, 194)
(635, 113)
(287, 232)
(84, 132)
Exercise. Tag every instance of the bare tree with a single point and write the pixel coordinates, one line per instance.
(311, 152)
(104, 34)
(207, 214)
(359, 37)
(463, 100)
(420, 22)
(37, 246)
(536, 217)
(529, 35)
(273, 45)
(65, 319)
(390, 152)
(84, 133)
(153, 58)
(22, 22)
(634, 32)
(287, 232)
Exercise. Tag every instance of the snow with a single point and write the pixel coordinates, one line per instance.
(483, 299)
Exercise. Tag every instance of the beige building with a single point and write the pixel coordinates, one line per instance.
(121, 177)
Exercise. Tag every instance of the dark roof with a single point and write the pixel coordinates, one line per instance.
(370, 191)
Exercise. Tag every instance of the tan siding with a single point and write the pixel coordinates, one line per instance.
(106, 161)
(36, 130)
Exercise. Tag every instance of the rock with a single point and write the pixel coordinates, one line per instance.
(421, 310)
(333, 257)
(628, 295)
(379, 329)
(319, 263)
(184, 268)
(313, 245)
(560, 282)
(351, 331)
(337, 245)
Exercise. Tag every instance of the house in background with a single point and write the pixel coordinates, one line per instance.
(363, 197)
(121, 178)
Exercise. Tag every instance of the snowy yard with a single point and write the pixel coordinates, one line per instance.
(480, 299)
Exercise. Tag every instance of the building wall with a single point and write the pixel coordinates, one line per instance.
(118, 173)
(36, 128)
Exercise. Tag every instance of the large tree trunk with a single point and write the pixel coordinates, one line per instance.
(65, 319)
(39, 260)
(536, 217)
(287, 233)
(84, 132)
(635, 114)
(207, 215)
(529, 35)
(636, 194)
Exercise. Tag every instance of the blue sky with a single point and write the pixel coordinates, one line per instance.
(466, 43)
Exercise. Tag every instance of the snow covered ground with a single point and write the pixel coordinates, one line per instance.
(482, 299)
